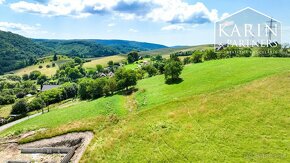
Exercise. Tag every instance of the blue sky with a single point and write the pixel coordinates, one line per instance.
(168, 22)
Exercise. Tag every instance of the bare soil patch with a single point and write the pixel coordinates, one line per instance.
(10, 149)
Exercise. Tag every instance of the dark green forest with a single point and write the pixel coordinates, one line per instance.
(17, 51)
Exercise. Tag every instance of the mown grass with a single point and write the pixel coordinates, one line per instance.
(207, 77)
(249, 123)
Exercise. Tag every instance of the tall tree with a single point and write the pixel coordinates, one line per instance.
(133, 56)
(173, 69)
(55, 57)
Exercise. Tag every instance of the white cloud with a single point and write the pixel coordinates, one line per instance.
(225, 15)
(2, 1)
(175, 27)
(22, 29)
(133, 30)
(177, 11)
(111, 25)
(170, 11)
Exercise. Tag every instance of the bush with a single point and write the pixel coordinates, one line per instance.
(34, 75)
(125, 78)
(47, 66)
(82, 89)
(25, 77)
(210, 55)
(150, 69)
(245, 52)
(7, 99)
(41, 79)
(20, 95)
(186, 60)
(19, 107)
(69, 90)
(36, 104)
(52, 96)
(53, 64)
(197, 57)
(40, 66)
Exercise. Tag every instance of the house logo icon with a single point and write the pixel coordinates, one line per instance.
(247, 28)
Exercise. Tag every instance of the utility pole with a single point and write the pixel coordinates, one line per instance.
(271, 27)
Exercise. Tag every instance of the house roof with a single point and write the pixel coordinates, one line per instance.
(48, 87)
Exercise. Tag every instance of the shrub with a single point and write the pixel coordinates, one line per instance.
(20, 95)
(82, 89)
(41, 79)
(197, 57)
(52, 96)
(25, 77)
(53, 64)
(34, 75)
(125, 78)
(150, 69)
(69, 90)
(40, 66)
(186, 60)
(209, 55)
(7, 99)
(36, 104)
(19, 107)
(47, 66)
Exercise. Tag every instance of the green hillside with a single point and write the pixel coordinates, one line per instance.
(17, 51)
(231, 110)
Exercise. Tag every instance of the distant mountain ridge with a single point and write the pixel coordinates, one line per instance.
(96, 47)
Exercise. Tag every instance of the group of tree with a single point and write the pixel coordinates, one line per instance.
(12, 87)
(133, 57)
(94, 88)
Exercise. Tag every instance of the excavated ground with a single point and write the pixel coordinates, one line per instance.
(10, 149)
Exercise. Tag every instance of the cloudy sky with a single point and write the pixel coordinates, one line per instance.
(168, 22)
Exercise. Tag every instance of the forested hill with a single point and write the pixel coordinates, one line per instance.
(96, 48)
(125, 46)
(17, 51)
(80, 48)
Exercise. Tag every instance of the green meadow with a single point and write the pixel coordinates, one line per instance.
(231, 110)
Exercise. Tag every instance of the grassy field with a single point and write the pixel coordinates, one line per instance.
(167, 51)
(233, 110)
(207, 77)
(245, 124)
(44, 70)
(5, 110)
(103, 61)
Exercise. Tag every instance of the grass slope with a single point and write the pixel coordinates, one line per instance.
(44, 70)
(215, 114)
(103, 61)
(208, 77)
(245, 124)
(165, 52)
